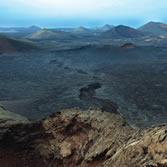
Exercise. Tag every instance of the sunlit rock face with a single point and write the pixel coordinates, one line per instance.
(90, 138)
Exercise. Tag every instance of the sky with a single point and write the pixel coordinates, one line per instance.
(74, 13)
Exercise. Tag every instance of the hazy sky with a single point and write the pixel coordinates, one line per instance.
(90, 13)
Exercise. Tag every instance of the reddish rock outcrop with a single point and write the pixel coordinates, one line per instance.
(128, 46)
(75, 138)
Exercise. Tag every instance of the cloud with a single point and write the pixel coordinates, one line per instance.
(82, 9)
(59, 7)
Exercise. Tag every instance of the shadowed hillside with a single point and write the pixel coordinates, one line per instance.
(9, 45)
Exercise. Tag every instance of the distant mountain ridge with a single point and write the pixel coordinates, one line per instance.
(104, 28)
(105, 31)
(155, 28)
(122, 31)
(82, 32)
(61, 34)
(50, 34)
(19, 31)
(86, 32)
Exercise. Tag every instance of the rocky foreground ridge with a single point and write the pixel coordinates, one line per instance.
(75, 138)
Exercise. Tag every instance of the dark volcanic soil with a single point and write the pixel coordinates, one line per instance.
(133, 79)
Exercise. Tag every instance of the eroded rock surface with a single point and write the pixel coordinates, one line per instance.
(75, 138)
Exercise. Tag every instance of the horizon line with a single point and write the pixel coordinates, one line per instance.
(88, 27)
